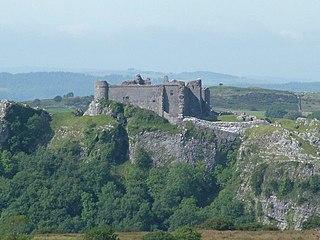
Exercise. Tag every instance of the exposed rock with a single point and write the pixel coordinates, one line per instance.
(96, 108)
(166, 148)
(78, 112)
(4, 131)
(284, 153)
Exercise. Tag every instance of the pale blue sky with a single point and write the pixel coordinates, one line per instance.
(242, 37)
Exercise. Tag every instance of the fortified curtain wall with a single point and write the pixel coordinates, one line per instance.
(172, 100)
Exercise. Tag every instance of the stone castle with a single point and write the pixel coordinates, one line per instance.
(172, 100)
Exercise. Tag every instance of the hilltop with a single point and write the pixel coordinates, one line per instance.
(86, 171)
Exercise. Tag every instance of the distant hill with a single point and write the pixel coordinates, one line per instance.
(257, 99)
(28, 86)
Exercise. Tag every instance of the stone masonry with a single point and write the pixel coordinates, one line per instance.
(173, 100)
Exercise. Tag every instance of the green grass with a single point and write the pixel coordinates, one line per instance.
(306, 146)
(228, 118)
(260, 131)
(248, 99)
(79, 123)
(58, 110)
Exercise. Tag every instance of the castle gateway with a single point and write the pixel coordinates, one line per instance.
(172, 100)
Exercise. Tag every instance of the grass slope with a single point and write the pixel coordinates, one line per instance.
(244, 99)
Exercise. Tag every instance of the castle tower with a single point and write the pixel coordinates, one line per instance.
(194, 100)
(101, 90)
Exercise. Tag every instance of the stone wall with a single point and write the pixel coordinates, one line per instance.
(146, 96)
(172, 100)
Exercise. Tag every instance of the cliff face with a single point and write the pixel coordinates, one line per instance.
(4, 131)
(279, 172)
(278, 165)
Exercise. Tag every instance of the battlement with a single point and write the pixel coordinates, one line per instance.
(172, 100)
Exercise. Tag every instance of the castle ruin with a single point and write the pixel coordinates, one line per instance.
(171, 100)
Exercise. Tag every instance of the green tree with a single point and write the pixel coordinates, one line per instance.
(101, 233)
(187, 233)
(57, 98)
(274, 112)
(187, 214)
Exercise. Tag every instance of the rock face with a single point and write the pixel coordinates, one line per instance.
(287, 160)
(167, 147)
(4, 131)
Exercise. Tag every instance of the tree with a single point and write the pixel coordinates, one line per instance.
(69, 95)
(273, 112)
(187, 214)
(293, 115)
(187, 233)
(57, 98)
(101, 233)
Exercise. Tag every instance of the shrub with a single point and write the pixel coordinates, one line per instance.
(218, 223)
(311, 223)
(57, 98)
(101, 233)
(257, 178)
(187, 233)
(275, 112)
(158, 236)
(293, 115)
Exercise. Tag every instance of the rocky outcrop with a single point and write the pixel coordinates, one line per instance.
(4, 131)
(289, 157)
(167, 147)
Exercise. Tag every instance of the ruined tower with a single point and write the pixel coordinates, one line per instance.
(101, 90)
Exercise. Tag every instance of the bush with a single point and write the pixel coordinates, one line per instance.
(187, 233)
(314, 115)
(218, 223)
(57, 98)
(275, 113)
(101, 233)
(293, 115)
(312, 223)
(158, 236)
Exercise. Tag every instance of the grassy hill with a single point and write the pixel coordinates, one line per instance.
(254, 99)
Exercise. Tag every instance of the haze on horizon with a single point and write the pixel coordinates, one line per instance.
(240, 37)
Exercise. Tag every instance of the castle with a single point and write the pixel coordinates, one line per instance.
(172, 100)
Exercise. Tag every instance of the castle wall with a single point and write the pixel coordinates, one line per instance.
(173, 101)
(145, 96)
(206, 98)
(193, 99)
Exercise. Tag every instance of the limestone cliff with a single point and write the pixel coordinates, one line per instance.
(280, 170)
(4, 131)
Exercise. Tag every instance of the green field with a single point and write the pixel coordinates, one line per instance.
(233, 98)
(224, 98)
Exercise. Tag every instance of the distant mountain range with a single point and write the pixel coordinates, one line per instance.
(27, 86)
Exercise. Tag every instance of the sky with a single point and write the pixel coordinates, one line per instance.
(241, 37)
